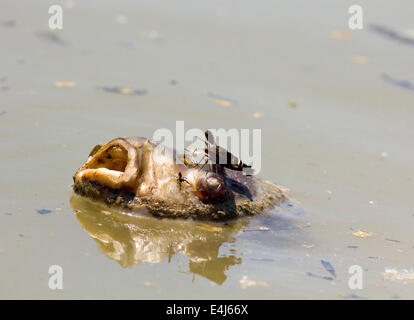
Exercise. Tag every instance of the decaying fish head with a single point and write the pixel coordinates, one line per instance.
(142, 175)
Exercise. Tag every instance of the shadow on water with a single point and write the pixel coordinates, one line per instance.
(132, 239)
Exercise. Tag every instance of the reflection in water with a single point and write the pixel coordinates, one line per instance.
(131, 240)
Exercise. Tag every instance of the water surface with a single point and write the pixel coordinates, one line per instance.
(336, 129)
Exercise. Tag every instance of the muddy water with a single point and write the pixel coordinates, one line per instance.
(335, 130)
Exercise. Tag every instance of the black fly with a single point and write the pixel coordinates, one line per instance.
(181, 179)
(217, 155)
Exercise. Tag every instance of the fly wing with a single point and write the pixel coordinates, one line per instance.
(209, 137)
(220, 155)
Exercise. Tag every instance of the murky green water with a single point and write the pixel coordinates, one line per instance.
(345, 151)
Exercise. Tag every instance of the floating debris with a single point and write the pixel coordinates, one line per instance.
(393, 240)
(246, 283)
(221, 101)
(340, 35)
(398, 36)
(360, 59)
(3, 79)
(328, 267)
(361, 234)
(44, 211)
(65, 84)
(310, 274)
(258, 115)
(209, 228)
(5, 88)
(399, 83)
(399, 275)
(124, 91)
(353, 247)
(173, 82)
(8, 214)
(308, 246)
(2, 113)
(293, 104)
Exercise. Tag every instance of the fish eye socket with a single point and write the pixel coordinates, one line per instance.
(213, 183)
(211, 186)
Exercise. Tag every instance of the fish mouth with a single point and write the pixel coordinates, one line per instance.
(114, 165)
